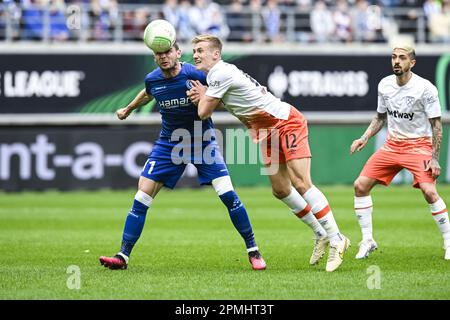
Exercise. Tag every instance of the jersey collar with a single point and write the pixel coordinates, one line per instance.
(217, 65)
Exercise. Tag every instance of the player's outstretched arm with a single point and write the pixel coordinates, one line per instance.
(433, 165)
(374, 127)
(141, 99)
(206, 104)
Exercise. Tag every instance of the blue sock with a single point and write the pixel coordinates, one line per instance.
(239, 217)
(133, 227)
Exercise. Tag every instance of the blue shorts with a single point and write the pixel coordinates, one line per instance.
(167, 161)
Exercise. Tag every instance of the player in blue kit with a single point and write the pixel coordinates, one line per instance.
(180, 142)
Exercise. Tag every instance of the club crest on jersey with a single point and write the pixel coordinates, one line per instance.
(188, 84)
(409, 101)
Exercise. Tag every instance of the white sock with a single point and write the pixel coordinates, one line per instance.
(440, 216)
(143, 198)
(363, 210)
(321, 209)
(311, 220)
(302, 210)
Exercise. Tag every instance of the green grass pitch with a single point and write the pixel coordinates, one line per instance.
(190, 250)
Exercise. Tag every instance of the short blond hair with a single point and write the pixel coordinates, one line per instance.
(213, 41)
(408, 48)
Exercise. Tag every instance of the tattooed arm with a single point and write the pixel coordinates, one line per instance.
(377, 123)
(433, 165)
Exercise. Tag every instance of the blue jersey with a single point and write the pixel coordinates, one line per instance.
(177, 110)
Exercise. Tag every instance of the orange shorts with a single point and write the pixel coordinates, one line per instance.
(384, 165)
(291, 140)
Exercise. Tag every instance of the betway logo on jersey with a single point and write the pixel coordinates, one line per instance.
(401, 115)
(174, 103)
(25, 84)
(318, 83)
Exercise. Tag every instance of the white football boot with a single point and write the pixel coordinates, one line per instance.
(447, 254)
(320, 244)
(365, 248)
(336, 254)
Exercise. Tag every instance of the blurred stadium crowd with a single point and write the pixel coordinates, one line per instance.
(304, 21)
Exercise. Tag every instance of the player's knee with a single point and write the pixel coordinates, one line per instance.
(302, 186)
(360, 187)
(222, 185)
(280, 192)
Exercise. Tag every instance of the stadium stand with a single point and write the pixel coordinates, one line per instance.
(257, 21)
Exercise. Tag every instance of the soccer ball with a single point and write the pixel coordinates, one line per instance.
(159, 35)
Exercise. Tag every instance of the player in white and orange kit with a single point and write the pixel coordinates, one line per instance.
(413, 112)
(273, 123)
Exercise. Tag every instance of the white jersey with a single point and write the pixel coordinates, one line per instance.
(244, 97)
(408, 107)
